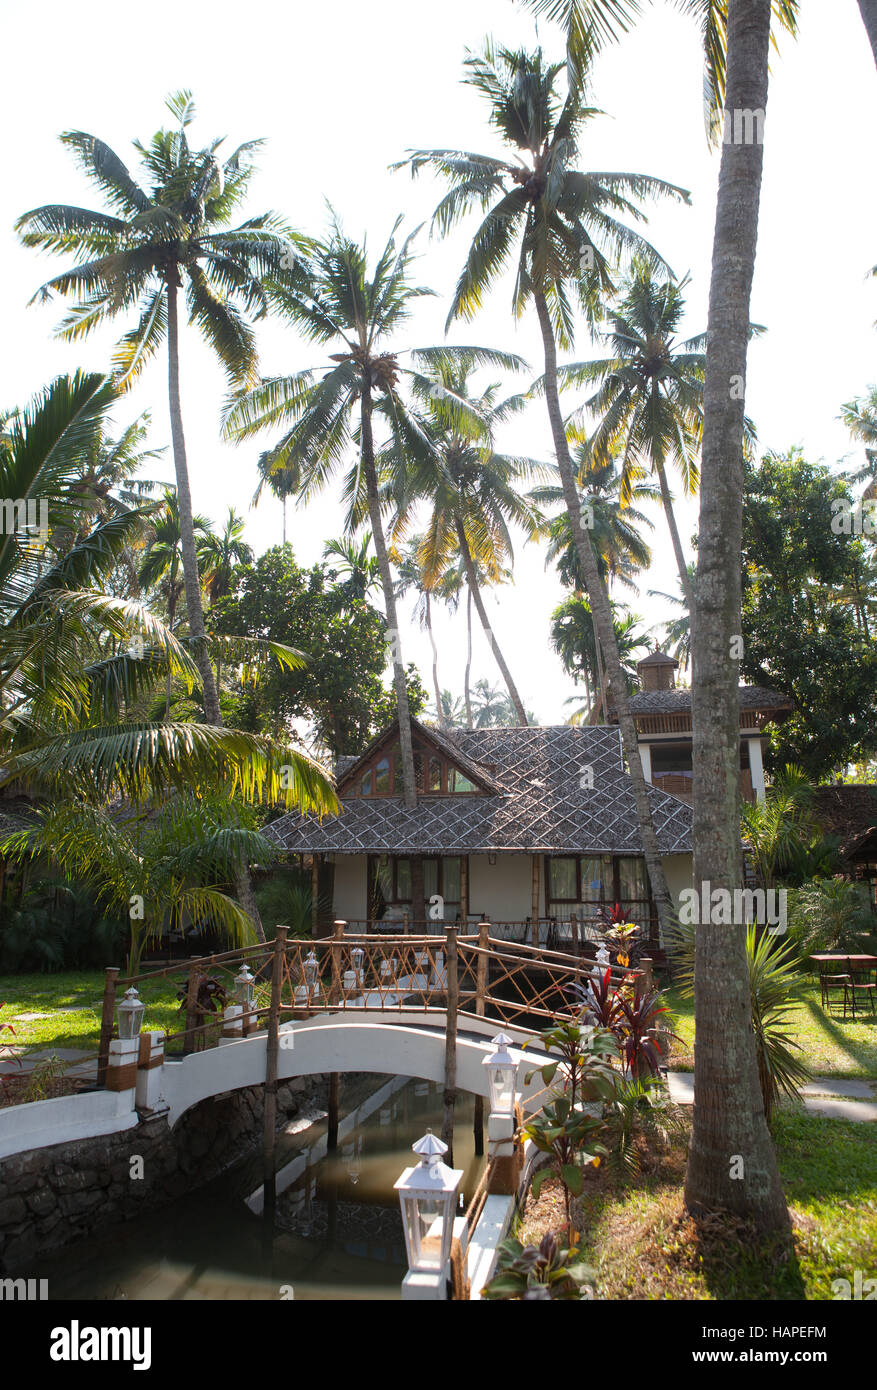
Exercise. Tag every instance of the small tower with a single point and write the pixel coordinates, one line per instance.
(656, 671)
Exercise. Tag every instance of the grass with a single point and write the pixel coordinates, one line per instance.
(80, 992)
(831, 1046)
(642, 1244)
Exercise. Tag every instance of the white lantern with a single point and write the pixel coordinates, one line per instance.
(244, 988)
(357, 956)
(427, 1194)
(502, 1073)
(131, 1011)
(311, 972)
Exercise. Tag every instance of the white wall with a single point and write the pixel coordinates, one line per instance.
(502, 890)
(677, 871)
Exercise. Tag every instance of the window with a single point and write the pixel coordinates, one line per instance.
(418, 771)
(365, 786)
(589, 882)
(562, 885)
(458, 783)
(390, 883)
(435, 774)
(382, 778)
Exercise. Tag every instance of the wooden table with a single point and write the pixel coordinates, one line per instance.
(855, 962)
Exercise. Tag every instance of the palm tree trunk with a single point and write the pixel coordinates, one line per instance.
(418, 908)
(466, 693)
(194, 609)
(667, 502)
(728, 1111)
(435, 679)
(868, 10)
(283, 504)
(472, 580)
(171, 618)
(602, 614)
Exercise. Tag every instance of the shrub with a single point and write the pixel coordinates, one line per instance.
(830, 915)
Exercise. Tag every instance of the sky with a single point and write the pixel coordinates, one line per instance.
(339, 92)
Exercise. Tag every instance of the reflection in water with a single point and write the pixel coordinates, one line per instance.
(338, 1230)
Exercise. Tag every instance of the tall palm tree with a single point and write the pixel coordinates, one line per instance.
(219, 552)
(162, 566)
(574, 640)
(329, 413)
(283, 483)
(650, 391)
(560, 226)
(472, 491)
(728, 1116)
(68, 712)
(614, 526)
(860, 418)
(170, 235)
(411, 579)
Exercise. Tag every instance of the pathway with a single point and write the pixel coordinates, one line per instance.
(833, 1097)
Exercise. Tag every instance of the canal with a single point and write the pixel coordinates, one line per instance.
(338, 1231)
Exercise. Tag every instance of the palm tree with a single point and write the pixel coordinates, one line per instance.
(473, 491)
(614, 526)
(333, 416)
(678, 630)
(492, 708)
(351, 558)
(650, 391)
(451, 713)
(868, 11)
(574, 640)
(559, 224)
(282, 482)
(162, 564)
(175, 863)
(860, 418)
(411, 579)
(68, 721)
(728, 1117)
(169, 236)
(219, 552)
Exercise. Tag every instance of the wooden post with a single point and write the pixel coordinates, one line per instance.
(450, 1041)
(534, 901)
(646, 980)
(480, 996)
(269, 1181)
(464, 889)
(192, 1015)
(336, 948)
(315, 894)
(405, 923)
(574, 924)
(106, 1023)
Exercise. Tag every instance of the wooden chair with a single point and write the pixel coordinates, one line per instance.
(860, 984)
(831, 983)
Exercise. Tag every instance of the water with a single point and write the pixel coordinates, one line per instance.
(338, 1231)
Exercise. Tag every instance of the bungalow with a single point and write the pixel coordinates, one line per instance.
(516, 824)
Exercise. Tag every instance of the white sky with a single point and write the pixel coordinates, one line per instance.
(339, 92)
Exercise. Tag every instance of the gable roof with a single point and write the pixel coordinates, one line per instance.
(539, 804)
(433, 737)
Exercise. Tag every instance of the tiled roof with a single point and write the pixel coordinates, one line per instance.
(678, 701)
(439, 740)
(848, 811)
(542, 805)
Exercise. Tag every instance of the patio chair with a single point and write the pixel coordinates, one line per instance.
(833, 983)
(860, 986)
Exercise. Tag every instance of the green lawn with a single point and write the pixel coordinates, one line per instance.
(831, 1046)
(81, 992)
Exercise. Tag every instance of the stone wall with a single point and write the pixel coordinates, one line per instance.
(53, 1196)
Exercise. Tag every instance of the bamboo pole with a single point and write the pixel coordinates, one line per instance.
(334, 1077)
(450, 1041)
(106, 1023)
(480, 995)
(269, 1180)
(534, 902)
(464, 888)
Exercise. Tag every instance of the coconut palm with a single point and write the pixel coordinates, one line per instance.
(650, 392)
(561, 227)
(169, 235)
(574, 640)
(219, 552)
(492, 707)
(161, 569)
(68, 712)
(860, 418)
(283, 483)
(727, 1118)
(451, 713)
(614, 526)
(450, 587)
(473, 492)
(410, 579)
(352, 559)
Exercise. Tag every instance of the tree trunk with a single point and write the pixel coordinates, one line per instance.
(868, 9)
(418, 910)
(667, 501)
(602, 615)
(194, 609)
(435, 680)
(729, 1127)
(472, 580)
(466, 693)
(171, 618)
(283, 504)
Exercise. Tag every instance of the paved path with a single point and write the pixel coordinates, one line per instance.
(833, 1097)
